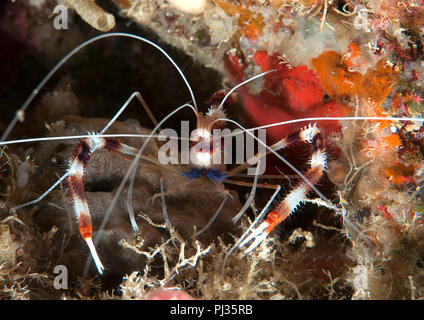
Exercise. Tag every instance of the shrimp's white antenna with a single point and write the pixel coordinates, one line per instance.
(251, 195)
(353, 118)
(242, 84)
(74, 51)
(85, 136)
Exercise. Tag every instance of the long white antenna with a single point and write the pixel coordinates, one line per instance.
(74, 51)
(242, 84)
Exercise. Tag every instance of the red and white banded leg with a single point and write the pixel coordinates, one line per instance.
(310, 134)
(75, 179)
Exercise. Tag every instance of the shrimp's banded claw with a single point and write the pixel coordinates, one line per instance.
(310, 134)
(263, 230)
(86, 231)
(259, 234)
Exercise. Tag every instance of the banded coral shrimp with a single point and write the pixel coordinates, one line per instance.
(84, 150)
(59, 152)
(309, 137)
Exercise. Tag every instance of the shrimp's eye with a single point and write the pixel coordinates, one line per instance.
(326, 97)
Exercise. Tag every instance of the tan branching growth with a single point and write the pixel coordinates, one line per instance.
(13, 286)
(17, 282)
(174, 261)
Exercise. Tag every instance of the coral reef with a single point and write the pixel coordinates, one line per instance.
(331, 58)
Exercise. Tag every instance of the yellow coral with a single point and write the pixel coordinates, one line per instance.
(335, 76)
(377, 84)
